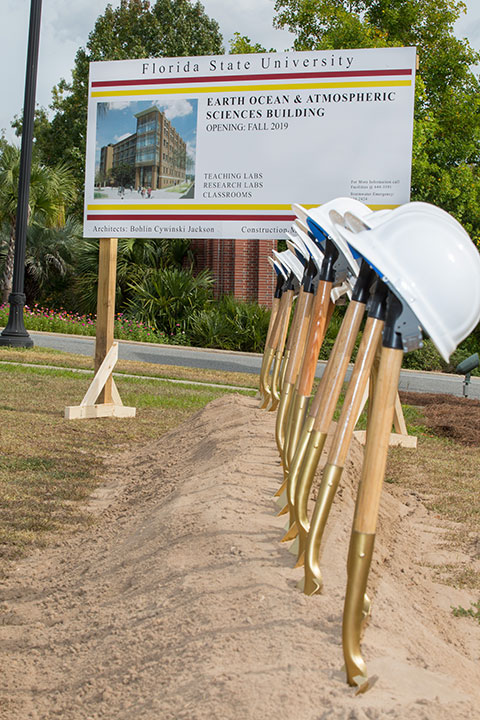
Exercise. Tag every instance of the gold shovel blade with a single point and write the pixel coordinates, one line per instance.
(358, 566)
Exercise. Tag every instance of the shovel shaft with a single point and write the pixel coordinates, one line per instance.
(293, 330)
(275, 339)
(271, 323)
(313, 577)
(283, 310)
(296, 465)
(355, 392)
(326, 398)
(314, 339)
(295, 424)
(338, 451)
(304, 482)
(264, 373)
(273, 315)
(281, 379)
(281, 420)
(378, 437)
(281, 346)
(322, 411)
(300, 328)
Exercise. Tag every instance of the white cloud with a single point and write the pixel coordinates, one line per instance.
(117, 138)
(119, 104)
(191, 148)
(175, 107)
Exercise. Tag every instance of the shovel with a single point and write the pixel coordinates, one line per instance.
(338, 258)
(322, 309)
(333, 263)
(297, 259)
(368, 499)
(273, 341)
(323, 408)
(352, 406)
(346, 267)
(292, 268)
(298, 333)
(281, 277)
(279, 355)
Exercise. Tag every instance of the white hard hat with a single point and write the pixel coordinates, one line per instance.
(311, 247)
(320, 215)
(431, 265)
(290, 262)
(374, 219)
(299, 224)
(295, 245)
(357, 223)
(278, 268)
(321, 224)
(309, 240)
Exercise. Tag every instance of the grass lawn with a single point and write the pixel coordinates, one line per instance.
(48, 356)
(50, 465)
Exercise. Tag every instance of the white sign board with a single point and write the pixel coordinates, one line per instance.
(220, 147)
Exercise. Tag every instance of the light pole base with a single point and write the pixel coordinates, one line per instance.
(14, 334)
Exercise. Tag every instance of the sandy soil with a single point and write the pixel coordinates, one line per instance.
(181, 603)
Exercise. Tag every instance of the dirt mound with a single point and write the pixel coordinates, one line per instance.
(449, 416)
(181, 603)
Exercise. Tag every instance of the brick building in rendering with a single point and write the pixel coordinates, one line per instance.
(156, 151)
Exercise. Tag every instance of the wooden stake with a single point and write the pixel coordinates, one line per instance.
(102, 398)
(107, 276)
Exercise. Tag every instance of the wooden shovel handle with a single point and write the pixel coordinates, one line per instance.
(314, 340)
(355, 393)
(326, 398)
(304, 311)
(285, 302)
(378, 436)
(273, 315)
(285, 323)
(293, 330)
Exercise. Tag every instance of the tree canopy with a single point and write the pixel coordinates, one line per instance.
(135, 29)
(51, 191)
(446, 148)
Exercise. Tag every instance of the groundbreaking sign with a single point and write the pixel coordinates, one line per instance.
(219, 147)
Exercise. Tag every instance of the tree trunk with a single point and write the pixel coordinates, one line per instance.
(7, 278)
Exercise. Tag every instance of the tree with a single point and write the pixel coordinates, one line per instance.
(241, 45)
(124, 174)
(51, 189)
(446, 147)
(49, 258)
(135, 29)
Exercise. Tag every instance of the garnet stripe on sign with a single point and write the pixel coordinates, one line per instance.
(185, 216)
(260, 76)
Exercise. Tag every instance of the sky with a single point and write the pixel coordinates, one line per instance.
(117, 121)
(66, 25)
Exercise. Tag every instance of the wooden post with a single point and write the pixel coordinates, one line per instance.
(102, 398)
(107, 276)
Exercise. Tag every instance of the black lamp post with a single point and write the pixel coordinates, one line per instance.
(15, 334)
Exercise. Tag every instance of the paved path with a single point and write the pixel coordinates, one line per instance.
(412, 380)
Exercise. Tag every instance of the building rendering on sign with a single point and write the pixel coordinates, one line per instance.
(156, 151)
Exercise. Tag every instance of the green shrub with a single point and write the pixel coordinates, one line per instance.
(167, 298)
(231, 325)
(209, 329)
